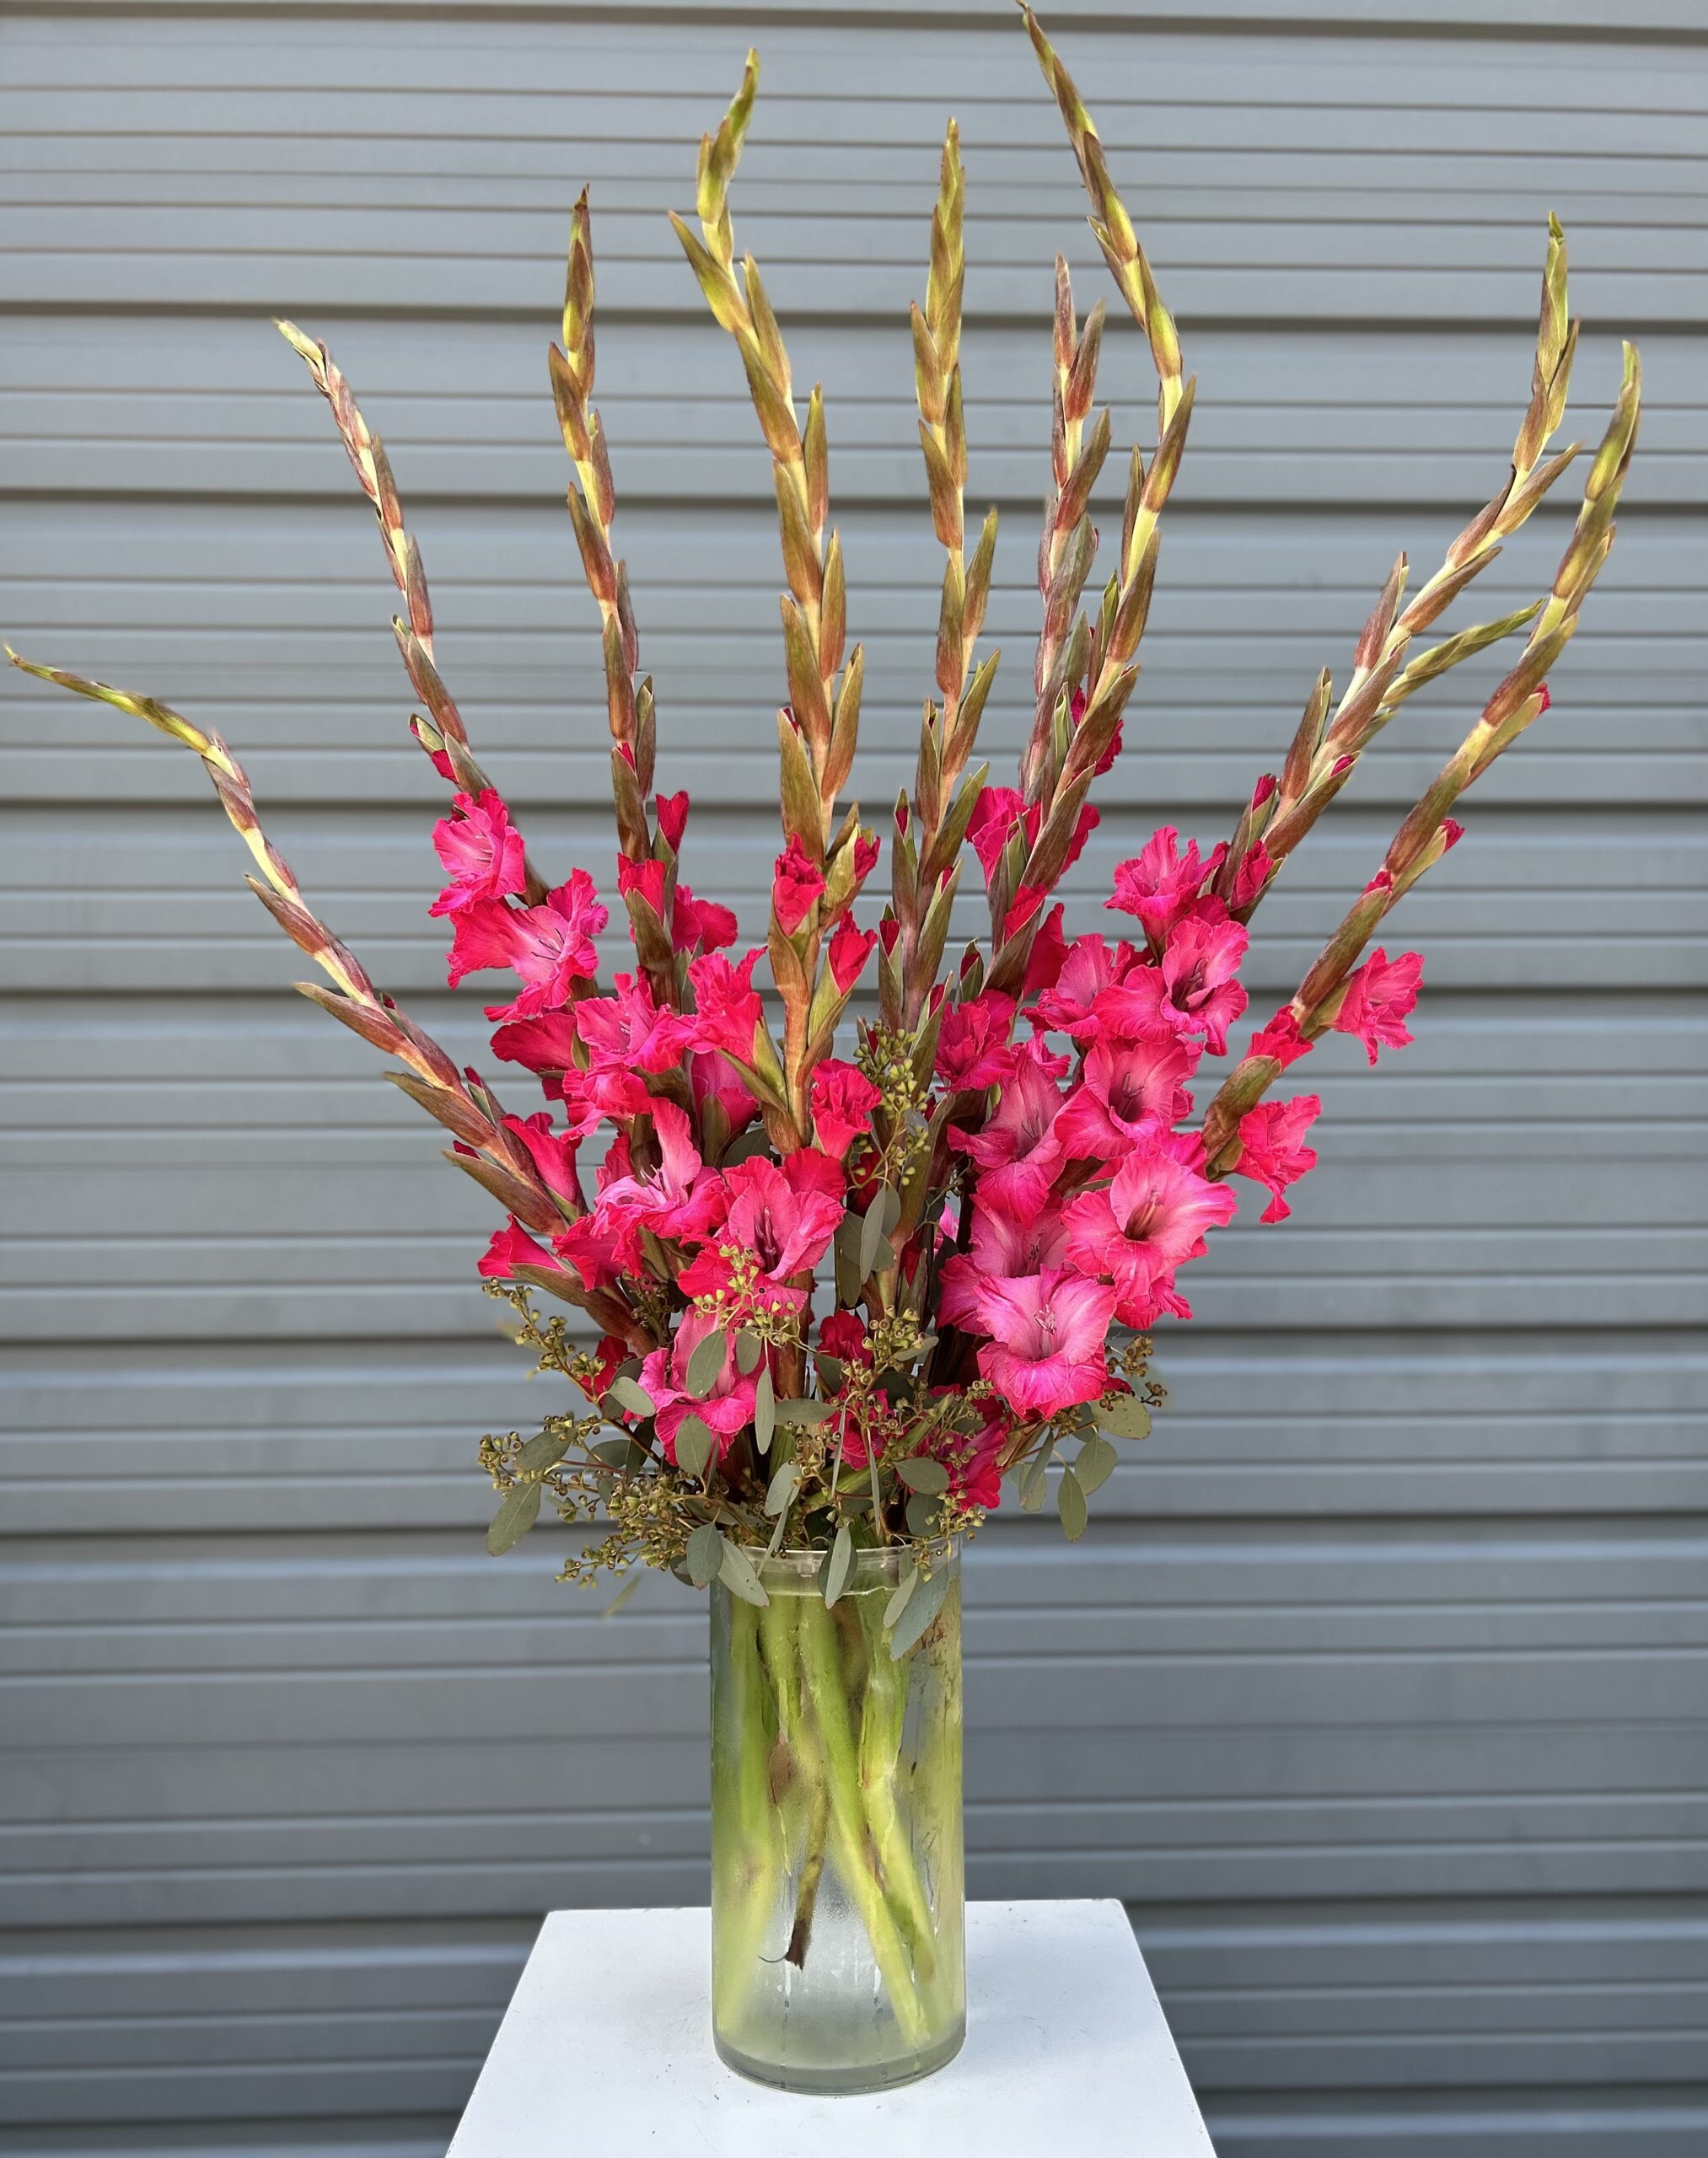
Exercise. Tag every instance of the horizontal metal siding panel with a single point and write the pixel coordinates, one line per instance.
(1375, 1687)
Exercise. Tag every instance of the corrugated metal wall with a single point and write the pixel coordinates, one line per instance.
(1378, 1689)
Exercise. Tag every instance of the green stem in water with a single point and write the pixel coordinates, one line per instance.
(750, 1875)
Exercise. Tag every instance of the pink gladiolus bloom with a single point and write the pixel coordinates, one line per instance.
(1160, 883)
(552, 1152)
(700, 924)
(974, 1462)
(481, 852)
(628, 1032)
(867, 848)
(710, 1078)
(1089, 968)
(1271, 1148)
(546, 1045)
(727, 1005)
(1047, 1334)
(842, 1334)
(513, 1246)
(1027, 901)
(1379, 996)
(549, 946)
(1088, 820)
(677, 1201)
(843, 1100)
(850, 948)
(1017, 1149)
(644, 878)
(1128, 1091)
(994, 817)
(973, 1045)
(725, 1409)
(604, 1245)
(784, 1215)
(673, 818)
(796, 885)
(1200, 964)
(1282, 1039)
(1008, 1241)
(1252, 875)
(1048, 956)
(1154, 1218)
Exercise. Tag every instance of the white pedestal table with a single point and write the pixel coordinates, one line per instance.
(606, 2049)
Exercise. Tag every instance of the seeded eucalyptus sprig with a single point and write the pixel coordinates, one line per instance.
(1427, 832)
(925, 871)
(445, 734)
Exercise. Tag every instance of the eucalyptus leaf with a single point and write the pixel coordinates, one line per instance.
(517, 1511)
(622, 1595)
(1034, 1480)
(922, 1607)
(705, 1365)
(781, 1488)
(695, 1445)
(921, 1512)
(1126, 1417)
(629, 1393)
(898, 1598)
(1069, 1504)
(765, 1412)
(545, 1450)
(881, 1217)
(738, 1576)
(795, 1410)
(1095, 1462)
(748, 1349)
(839, 1565)
(614, 1452)
(705, 1554)
(920, 1472)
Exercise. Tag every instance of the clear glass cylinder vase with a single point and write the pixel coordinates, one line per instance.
(838, 1953)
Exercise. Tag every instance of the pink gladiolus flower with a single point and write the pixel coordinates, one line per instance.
(974, 1462)
(850, 948)
(843, 1100)
(1008, 1241)
(678, 1200)
(604, 1245)
(673, 818)
(1089, 968)
(552, 1152)
(711, 1079)
(549, 946)
(1160, 883)
(1027, 901)
(1047, 1334)
(842, 1334)
(868, 846)
(796, 885)
(644, 878)
(726, 1409)
(727, 1005)
(481, 852)
(1271, 1148)
(1048, 956)
(628, 1033)
(1017, 1149)
(1200, 964)
(995, 815)
(513, 1246)
(1088, 820)
(1252, 875)
(699, 924)
(544, 1045)
(973, 1045)
(1128, 1091)
(784, 1215)
(1379, 996)
(1154, 1218)
(1282, 1039)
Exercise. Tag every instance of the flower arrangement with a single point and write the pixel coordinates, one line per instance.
(833, 1280)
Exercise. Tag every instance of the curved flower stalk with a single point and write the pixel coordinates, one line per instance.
(445, 738)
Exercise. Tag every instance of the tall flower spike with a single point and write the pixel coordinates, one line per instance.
(431, 1078)
(592, 507)
(926, 857)
(447, 737)
(1427, 832)
(1325, 755)
(816, 734)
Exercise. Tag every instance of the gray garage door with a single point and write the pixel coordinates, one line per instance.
(1378, 1689)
